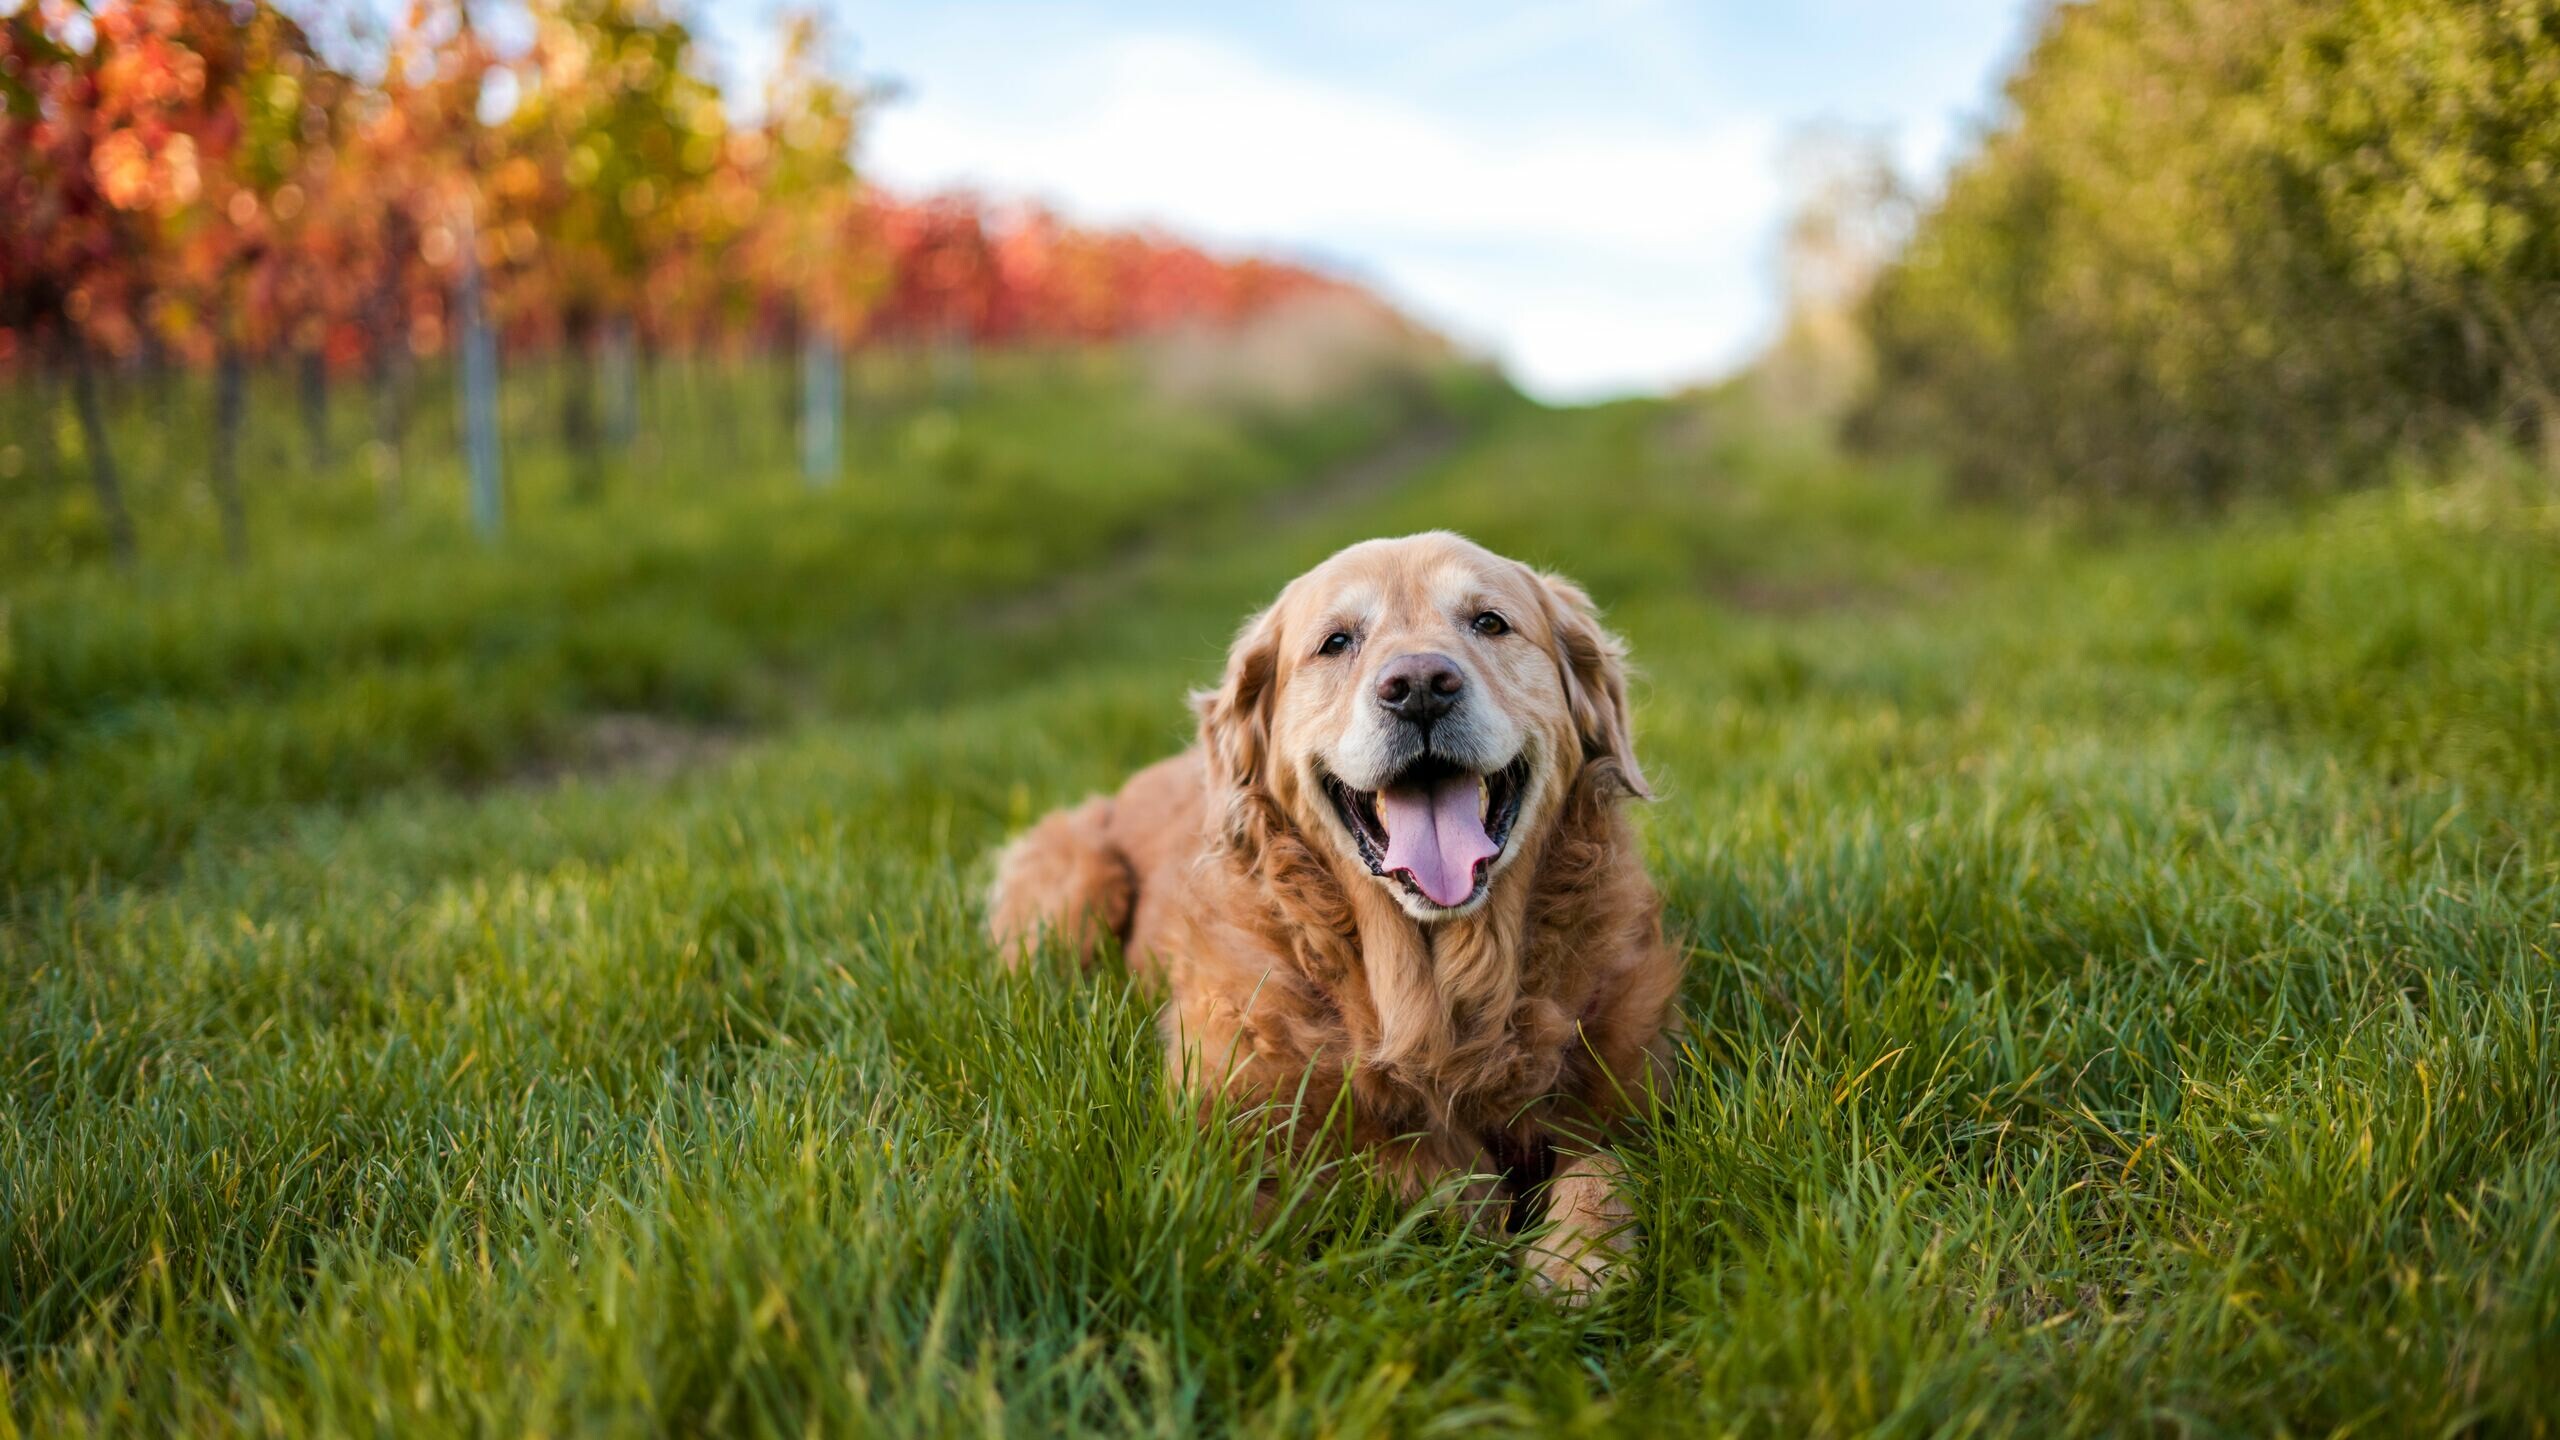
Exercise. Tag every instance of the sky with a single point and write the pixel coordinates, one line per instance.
(1591, 193)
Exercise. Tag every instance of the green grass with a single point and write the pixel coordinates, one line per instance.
(144, 711)
(2122, 988)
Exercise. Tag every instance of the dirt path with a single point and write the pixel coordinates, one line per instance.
(661, 747)
(1347, 484)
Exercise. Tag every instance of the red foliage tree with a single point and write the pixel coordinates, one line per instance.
(190, 178)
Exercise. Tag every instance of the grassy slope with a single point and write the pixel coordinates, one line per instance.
(2122, 995)
(140, 712)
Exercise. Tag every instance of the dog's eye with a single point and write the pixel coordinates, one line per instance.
(1490, 623)
(1335, 643)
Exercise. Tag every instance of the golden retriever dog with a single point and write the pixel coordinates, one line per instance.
(1392, 889)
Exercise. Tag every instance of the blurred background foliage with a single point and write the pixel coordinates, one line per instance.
(2225, 247)
(202, 193)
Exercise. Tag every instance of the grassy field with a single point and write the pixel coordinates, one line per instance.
(538, 990)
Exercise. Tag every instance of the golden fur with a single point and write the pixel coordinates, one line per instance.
(1504, 1043)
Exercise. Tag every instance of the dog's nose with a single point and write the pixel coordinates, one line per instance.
(1420, 688)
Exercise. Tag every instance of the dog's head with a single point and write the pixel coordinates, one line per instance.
(1418, 708)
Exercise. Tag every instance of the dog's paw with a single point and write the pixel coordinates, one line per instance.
(1476, 1203)
(1570, 1274)
(1589, 1232)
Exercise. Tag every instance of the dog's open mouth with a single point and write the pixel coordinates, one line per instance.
(1435, 828)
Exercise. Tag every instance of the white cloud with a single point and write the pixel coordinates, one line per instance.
(1590, 260)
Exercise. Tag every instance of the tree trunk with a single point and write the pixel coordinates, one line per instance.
(102, 464)
(387, 358)
(821, 400)
(954, 368)
(790, 344)
(701, 376)
(479, 399)
(2525, 372)
(621, 401)
(157, 378)
(227, 383)
(390, 418)
(315, 406)
(44, 455)
(651, 387)
(578, 409)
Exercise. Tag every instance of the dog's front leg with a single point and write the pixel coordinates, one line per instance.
(1473, 1195)
(1454, 1177)
(1589, 1231)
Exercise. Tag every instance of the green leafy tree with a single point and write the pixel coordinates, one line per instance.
(612, 129)
(2228, 245)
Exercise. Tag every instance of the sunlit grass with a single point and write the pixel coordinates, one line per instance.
(2122, 990)
(141, 709)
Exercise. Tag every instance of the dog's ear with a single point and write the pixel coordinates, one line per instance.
(1594, 663)
(1235, 718)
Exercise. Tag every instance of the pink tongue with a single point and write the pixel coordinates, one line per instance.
(1435, 836)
